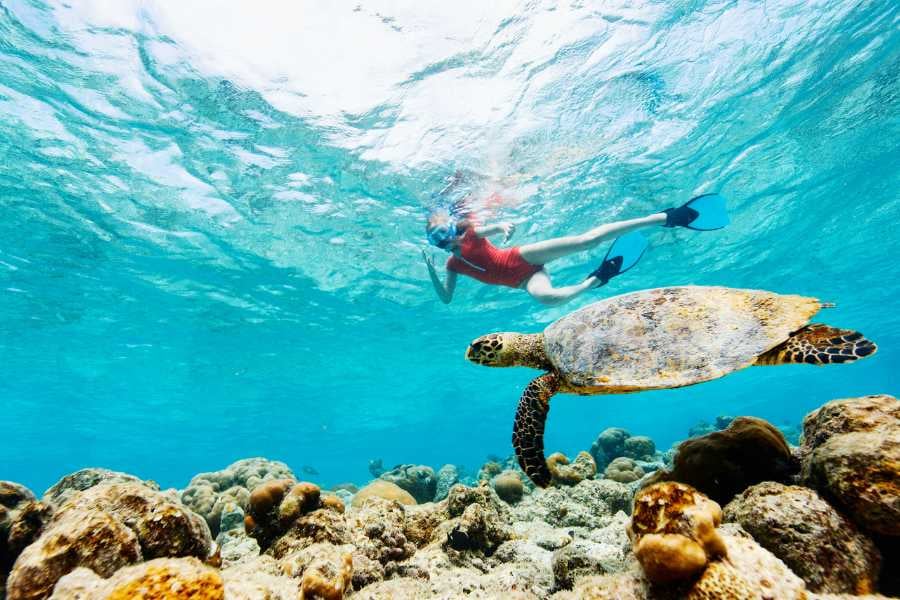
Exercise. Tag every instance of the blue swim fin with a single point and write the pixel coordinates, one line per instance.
(703, 213)
(624, 253)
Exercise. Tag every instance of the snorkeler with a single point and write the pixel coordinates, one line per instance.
(523, 266)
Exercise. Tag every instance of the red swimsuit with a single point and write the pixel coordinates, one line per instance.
(485, 262)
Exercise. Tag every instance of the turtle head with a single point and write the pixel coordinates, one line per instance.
(509, 350)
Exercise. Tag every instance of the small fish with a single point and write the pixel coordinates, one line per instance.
(308, 470)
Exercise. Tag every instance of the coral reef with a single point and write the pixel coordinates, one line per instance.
(612, 441)
(94, 540)
(447, 477)
(509, 486)
(591, 503)
(418, 480)
(750, 573)
(104, 528)
(323, 580)
(744, 571)
(623, 470)
(382, 489)
(565, 473)
(208, 493)
(609, 444)
(235, 544)
(753, 568)
(319, 526)
(259, 578)
(158, 579)
(724, 463)
(821, 546)
(105, 535)
(639, 447)
(617, 447)
(673, 528)
(584, 557)
(22, 519)
(378, 532)
(489, 470)
(234, 548)
(83, 479)
(480, 528)
(275, 505)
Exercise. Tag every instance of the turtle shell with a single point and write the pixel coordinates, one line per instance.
(670, 337)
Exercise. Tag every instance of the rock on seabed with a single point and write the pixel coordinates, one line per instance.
(818, 543)
(851, 454)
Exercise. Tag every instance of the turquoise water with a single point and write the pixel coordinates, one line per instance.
(212, 217)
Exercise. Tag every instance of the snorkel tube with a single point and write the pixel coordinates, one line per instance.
(446, 215)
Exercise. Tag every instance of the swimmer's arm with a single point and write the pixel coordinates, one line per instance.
(506, 228)
(444, 289)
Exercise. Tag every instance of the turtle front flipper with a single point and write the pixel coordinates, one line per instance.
(528, 430)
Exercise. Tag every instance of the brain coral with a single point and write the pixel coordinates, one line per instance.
(623, 470)
(724, 463)
(208, 493)
(382, 489)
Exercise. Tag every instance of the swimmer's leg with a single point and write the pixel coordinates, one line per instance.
(541, 289)
(540, 253)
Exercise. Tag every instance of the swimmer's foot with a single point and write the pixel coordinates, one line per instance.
(608, 269)
(624, 253)
(703, 213)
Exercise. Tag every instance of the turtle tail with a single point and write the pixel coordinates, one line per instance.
(528, 430)
(818, 344)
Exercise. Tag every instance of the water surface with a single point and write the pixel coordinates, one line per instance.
(212, 214)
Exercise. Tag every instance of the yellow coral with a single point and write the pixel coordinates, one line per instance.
(565, 473)
(301, 499)
(159, 579)
(722, 581)
(673, 529)
(162, 584)
(320, 582)
(266, 496)
(332, 502)
(669, 557)
(276, 505)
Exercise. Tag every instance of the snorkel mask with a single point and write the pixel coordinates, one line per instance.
(442, 235)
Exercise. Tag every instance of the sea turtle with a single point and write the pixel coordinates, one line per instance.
(654, 339)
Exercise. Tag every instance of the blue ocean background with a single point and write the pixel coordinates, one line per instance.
(212, 215)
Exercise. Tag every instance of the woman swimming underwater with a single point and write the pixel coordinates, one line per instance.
(523, 266)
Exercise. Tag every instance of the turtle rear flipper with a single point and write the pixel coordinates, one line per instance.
(818, 344)
(528, 430)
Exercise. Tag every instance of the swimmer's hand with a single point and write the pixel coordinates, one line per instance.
(444, 290)
(506, 228)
